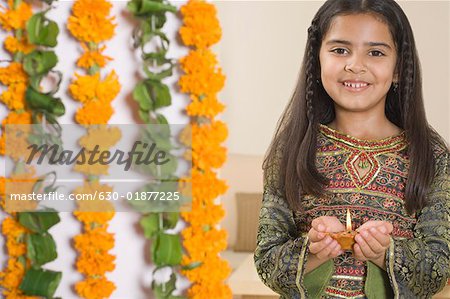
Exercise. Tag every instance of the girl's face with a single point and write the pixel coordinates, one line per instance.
(357, 59)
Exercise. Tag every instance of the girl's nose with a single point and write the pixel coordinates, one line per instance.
(355, 65)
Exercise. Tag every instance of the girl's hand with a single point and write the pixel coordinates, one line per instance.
(323, 246)
(372, 242)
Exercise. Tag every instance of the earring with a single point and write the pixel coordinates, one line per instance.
(318, 81)
(395, 84)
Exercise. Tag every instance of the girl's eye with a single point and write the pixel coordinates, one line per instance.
(339, 51)
(376, 53)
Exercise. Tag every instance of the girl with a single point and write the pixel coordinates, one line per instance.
(355, 136)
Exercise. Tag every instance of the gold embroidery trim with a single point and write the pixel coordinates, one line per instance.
(356, 142)
(391, 269)
(301, 260)
(357, 278)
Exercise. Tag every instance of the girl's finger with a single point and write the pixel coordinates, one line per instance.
(317, 247)
(382, 238)
(371, 240)
(363, 245)
(336, 251)
(371, 223)
(318, 225)
(358, 253)
(389, 227)
(315, 236)
(325, 252)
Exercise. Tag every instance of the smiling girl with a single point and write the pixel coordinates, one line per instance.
(355, 137)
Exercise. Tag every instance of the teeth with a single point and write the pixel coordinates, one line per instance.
(355, 85)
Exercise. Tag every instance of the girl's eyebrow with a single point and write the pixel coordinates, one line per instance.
(348, 43)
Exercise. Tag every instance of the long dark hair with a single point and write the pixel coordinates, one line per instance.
(289, 165)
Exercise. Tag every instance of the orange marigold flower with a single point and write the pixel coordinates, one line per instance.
(91, 58)
(185, 186)
(201, 26)
(12, 228)
(93, 206)
(102, 136)
(186, 136)
(95, 192)
(13, 73)
(202, 214)
(200, 60)
(202, 83)
(201, 244)
(93, 28)
(14, 248)
(16, 145)
(211, 156)
(17, 118)
(94, 113)
(95, 288)
(88, 88)
(14, 118)
(99, 8)
(104, 210)
(210, 290)
(98, 218)
(13, 45)
(84, 87)
(206, 149)
(13, 142)
(98, 239)
(203, 76)
(12, 19)
(206, 185)
(14, 96)
(21, 183)
(11, 277)
(108, 89)
(213, 270)
(208, 107)
(95, 262)
(187, 155)
(216, 131)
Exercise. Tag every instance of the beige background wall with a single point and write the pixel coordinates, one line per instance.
(261, 53)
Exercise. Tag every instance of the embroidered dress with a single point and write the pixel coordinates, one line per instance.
(368, 178)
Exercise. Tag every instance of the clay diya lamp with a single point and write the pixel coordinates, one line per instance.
(346, 238)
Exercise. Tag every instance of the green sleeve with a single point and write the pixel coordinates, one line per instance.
(419, 267)
(281, 251)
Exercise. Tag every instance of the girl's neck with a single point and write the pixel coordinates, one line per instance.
(363, 127)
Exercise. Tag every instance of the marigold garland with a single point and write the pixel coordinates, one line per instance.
(152, 96)
(90, 24)
(11, 277)
(203, 79)
(13, 18)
